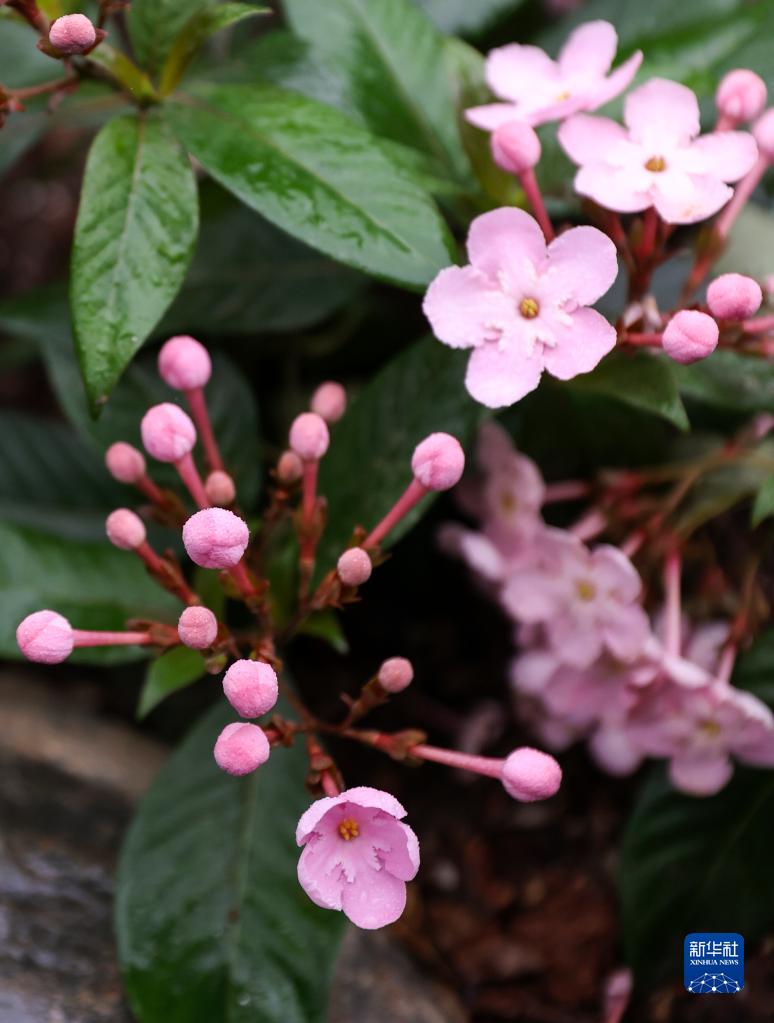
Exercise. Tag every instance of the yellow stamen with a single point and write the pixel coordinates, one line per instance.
(507, 501)
(562, 96)
(711, 729)
(585, 589)
(656, 164)
(529, 308)
(349, 829)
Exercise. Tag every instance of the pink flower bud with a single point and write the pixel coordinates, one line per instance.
(763, 131)
(251, 688)
(354, 567)
(124, 462)
(45, 637)
(396, 674)
(741, 95)
(215, 538)
(220, 488)
(438, 462)
(515, 147)
(529, 775)
(184, 363)
(734, 297)
(167, 432)
(125, 529)
(73, 33)
(290, 468)
(690, 336)
(197, 627)
(241, 748)
(329, 401)
(309, 436)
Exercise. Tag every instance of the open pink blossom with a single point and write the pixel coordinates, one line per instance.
(513, 490)
(537, 89)
(657, 159)
(358, 855)
(586, 601)
(521, 306)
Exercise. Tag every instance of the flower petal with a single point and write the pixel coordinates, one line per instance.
(700, 776)
(398, 847)
(514, 71)
(615, 572)
(580, 346)
(490, 116)
(319, 874)
(374, 899)
(678, 205)
(625, 630)
(727, 155)
(588, 139)
(530, 597)
(615, 83)
(501, 376)
(574, 639)
(613, 188)
(583, 263)
(662, 114)
(505, 241)
(589, 50)
(462, 305)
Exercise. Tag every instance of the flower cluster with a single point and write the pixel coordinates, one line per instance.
(592, 663)
(357, 853)
(522, 302)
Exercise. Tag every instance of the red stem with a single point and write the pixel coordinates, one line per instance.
(90, 637)
(189, 474)
(411, 496)
(198, 406)
(535, 199)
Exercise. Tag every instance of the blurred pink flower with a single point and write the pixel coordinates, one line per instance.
(657, 159)
(537, 89)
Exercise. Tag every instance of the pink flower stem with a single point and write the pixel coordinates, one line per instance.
(151, 491)
(725, 123)
(166, 574)
(535, 199)
(242, 580)
(726, 663)
(189, 474)
(198, 406)
(150, 557)
(632, 543)
(761, 325)
(89, 637)
(569, 490)
(647, 339)
(673, 610)
(488, 766)
(330, 788)
(411, 496)
(309, 492)
(647, 246)
(742, 193)
(589, 525)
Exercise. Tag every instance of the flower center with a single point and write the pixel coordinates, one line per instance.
(507, 501)
(585, 590)
(349, 829)
(529, 308)
(562, 96)
(710, 728)
(656, 164)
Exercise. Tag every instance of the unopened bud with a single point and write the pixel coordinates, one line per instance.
(241, 748)
(167, 432)
(763, 132)
(124, 462)
(184, 363)
(251, 687)
(515, 147)
(45, 637)
(734, 297)
(197, 627)
(690, 336)
(529, 775)
(396, 674)
(741, 96)
(220, 488)
(125, 529)
(73, 33)
(329, 401)
(354, 567)
(215, 538)
(290, 468)
(309, 436)
(438, 462)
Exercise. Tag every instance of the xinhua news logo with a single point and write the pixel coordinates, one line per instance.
(713, 964)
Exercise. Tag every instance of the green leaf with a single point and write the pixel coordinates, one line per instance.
(134, 235)
(212, 924)
(461, 17)
(764, 502)
(248, 277)
(393, 61)
(319, 177)
(645, 381)
(730, 380)
(326, 625)
(755, 668)
(175, 669)
(94, 585)
(750, 248)
(368, 466)
(691, 864)
(196, 32)
(154, 25)
(134, 80)
(723, 488)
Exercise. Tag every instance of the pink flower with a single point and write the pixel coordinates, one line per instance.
(657, 160)
(45, 637)
(690, 336)
(184, 363)
(197, 627)
(72, 33)
(530, 775)
(396, 674)
(241, 748)
(309, 436)
(329, 401)
(734, 297)
(521, 306)
(251, 687)
(125, 529)
(354, 567)
(215, 538)
(513, 490)
(438, 462)
(587, 601)
(538, 89)
(358, 855)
